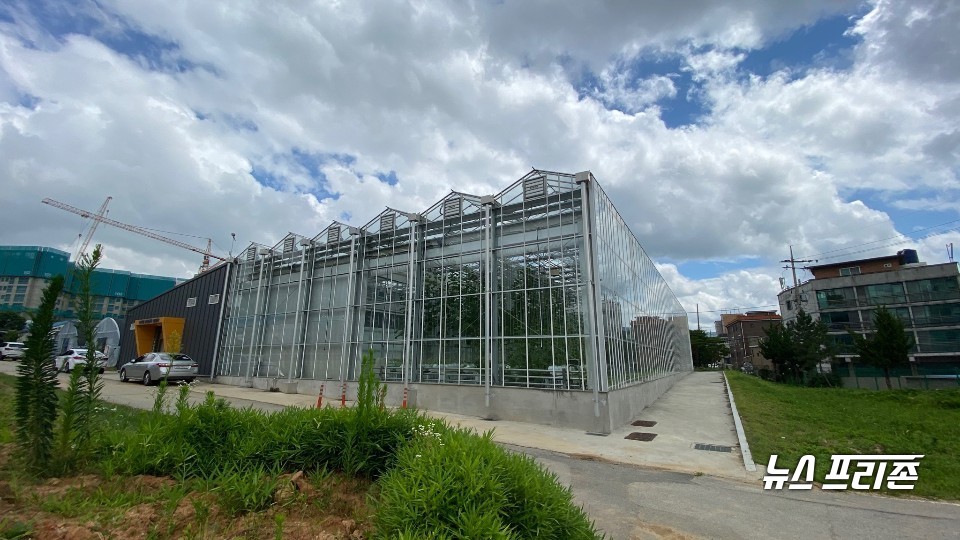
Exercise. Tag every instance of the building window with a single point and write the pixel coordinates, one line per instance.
(214, 299)
(789, 305)
(850, 271)
(191, 301)
(836, 298)
(882, 294)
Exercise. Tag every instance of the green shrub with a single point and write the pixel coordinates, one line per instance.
(454, 484)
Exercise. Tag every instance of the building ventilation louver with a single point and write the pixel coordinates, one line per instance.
(288, 244)
(388, 222)
(534, 187)
(192, 301)
(251, 253)
(333, 234)
(213, 299)
(452, 207)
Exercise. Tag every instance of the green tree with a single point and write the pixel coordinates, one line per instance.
(810, 339)
(797, 347)
(36, 397)
(778, 347)
(706, 350)
(10, 325)
(889, 345)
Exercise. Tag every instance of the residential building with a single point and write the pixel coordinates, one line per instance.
(744, 333)
(845, 295)
(25, 271)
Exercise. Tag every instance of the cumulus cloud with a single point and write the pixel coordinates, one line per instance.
(263, 118)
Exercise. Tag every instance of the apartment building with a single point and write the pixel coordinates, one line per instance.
(845, 296)
(25, 271)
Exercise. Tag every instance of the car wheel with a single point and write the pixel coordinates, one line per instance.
(146, 378)
(123, 375)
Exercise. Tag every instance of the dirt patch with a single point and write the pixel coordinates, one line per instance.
(654, 531)
(59, 486)
(330, 507)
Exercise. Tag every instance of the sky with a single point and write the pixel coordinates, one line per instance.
(724, 131)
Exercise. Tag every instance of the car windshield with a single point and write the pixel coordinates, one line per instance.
(170, 357)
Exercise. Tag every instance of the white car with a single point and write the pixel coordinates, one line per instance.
(69, 360)
(11, 349)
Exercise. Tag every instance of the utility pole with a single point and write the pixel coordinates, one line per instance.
(793, 267)
(698, 316)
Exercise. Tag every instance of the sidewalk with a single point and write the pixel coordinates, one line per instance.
(695, 410)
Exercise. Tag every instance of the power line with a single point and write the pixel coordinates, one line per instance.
(737, 308)
(898, 236)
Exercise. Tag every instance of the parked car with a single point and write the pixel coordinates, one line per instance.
(154, 366)
(69, 360)
(11, 349)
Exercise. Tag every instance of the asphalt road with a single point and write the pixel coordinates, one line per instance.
(629, 501)
(637, 502)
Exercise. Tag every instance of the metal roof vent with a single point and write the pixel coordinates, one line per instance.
(388, 222)
(535, 187)
(288, 244)
(251, 252)
(333, 234)
(452, 207)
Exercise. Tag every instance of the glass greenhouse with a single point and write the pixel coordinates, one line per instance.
(540, 286)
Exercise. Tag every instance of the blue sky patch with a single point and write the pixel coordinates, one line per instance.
(309, 164)
(682, 109)
(60, 20)
(823, 44)
(388, 178)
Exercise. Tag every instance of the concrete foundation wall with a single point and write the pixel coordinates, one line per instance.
(564, 409)
(626, 404)
(902, 383)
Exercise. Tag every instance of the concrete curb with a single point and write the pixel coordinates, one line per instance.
(744, 447)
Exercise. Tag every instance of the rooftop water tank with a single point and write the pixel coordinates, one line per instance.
(908, 256)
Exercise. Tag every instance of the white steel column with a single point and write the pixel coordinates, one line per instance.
(407, 368)
(488, 203)
(253, 329)
(347, 342)
(296, 317)
(594, 324)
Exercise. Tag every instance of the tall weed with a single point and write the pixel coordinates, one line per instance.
(35, 401)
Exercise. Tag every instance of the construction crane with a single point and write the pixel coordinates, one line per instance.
(99, 218)
(93, 227)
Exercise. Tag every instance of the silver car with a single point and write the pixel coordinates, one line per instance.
(154, 366)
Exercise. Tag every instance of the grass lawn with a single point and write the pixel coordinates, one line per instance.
(792, 421)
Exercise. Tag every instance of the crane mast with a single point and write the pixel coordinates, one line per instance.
(93, 227)
(100, 218)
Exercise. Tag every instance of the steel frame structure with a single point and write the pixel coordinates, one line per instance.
(540, 286)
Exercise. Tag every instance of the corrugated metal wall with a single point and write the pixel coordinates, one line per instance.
(200, 321)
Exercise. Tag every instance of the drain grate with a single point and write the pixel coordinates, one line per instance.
(713, 447)
(644, 423)
(637, 436)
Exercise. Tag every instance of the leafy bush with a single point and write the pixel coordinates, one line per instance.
(454, 484)
(435, 482)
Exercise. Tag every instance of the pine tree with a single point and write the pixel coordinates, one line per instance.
(888, 347)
